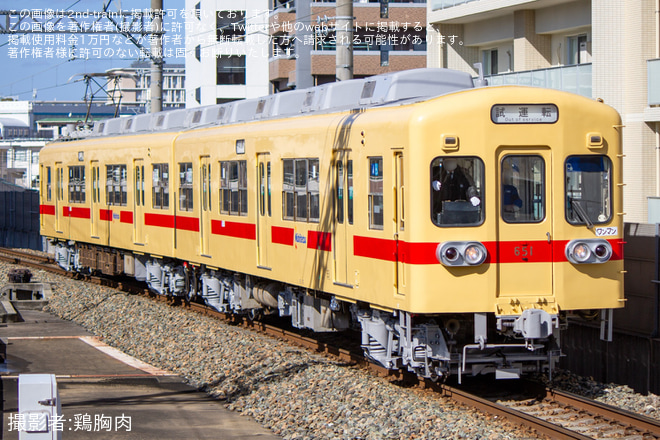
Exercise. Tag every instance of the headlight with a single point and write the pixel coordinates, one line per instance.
(475, 254)
(461, 253)
(590, 251)
(581, 252)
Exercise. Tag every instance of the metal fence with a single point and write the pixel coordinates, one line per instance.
(19, 219)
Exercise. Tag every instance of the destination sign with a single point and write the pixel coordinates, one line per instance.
(524, 113)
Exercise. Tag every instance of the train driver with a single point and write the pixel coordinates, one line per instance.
(511, 200)
(454, 184)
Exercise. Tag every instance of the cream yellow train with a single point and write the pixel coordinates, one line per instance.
(458, 227)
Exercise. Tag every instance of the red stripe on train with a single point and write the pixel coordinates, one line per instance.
(47, 209)
(281, 235)
(160, 220)
(233, 229)
(126, 217)
(319, 240)
(539, 251)
(105, 215)
(76, 212)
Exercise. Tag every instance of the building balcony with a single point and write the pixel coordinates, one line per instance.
(575, 79)
(367, 63)
(371, 13)
(653, 73)
(280, 68)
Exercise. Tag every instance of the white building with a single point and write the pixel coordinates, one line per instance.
(227, 47)
(606, 49)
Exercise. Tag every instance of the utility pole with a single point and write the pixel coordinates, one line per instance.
(157, 61)
(344, 40)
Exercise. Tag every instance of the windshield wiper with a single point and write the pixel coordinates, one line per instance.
(579, 210)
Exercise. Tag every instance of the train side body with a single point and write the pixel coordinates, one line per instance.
(335, 217)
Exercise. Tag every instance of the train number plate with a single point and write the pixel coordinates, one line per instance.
(604, 232)
(524, 113)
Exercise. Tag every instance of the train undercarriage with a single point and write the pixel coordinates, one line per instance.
(431, 346)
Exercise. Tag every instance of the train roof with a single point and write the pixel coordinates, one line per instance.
(373, 91)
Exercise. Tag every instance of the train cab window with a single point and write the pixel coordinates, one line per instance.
(523, 189)
(588, 189)
(457, 191)
(77, 184)
(300, 190)
(376, 193)
(115, 189)
(233, 187)
(186, 186)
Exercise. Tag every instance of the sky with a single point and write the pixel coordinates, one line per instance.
(39, 66)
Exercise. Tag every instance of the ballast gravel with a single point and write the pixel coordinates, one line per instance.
(294, 393)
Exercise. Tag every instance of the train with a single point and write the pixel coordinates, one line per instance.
(459, 228)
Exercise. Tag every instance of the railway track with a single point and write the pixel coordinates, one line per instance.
(553, 413)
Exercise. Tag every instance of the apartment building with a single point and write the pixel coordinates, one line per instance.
(607, 49)
(227, 46)
(136, 88)
(388, 36)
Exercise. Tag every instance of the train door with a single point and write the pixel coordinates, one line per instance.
(205, 195)
(138, 201)
(343, 216)
(525, 227)
(94, 208)
(59, 198)
(399, 222)
(264, 210)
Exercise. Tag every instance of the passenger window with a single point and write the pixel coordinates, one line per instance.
(376, 193)
(300, 190)
(160, 195)
(588, 189)
(185, 186)
(523, 189)
(457, 191)
(77, 184)
(233, 187)
(115, 187)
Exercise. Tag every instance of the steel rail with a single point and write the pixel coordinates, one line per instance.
(644, 425)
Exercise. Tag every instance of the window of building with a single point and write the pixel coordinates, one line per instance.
(230, 69)
(115, 186)
(376, 193)
(186, 186)
(198, 10)
(384, 56)
(300, 190)
(77, 184)
(198, 52)
(578, 51)
(233, 187)
(160, 194)
(490, 62)
(230, 26)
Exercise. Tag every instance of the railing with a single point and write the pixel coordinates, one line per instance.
(574, 79)
(653, 74)
(444, 4)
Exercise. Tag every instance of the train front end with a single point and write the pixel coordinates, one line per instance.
(522, 191)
